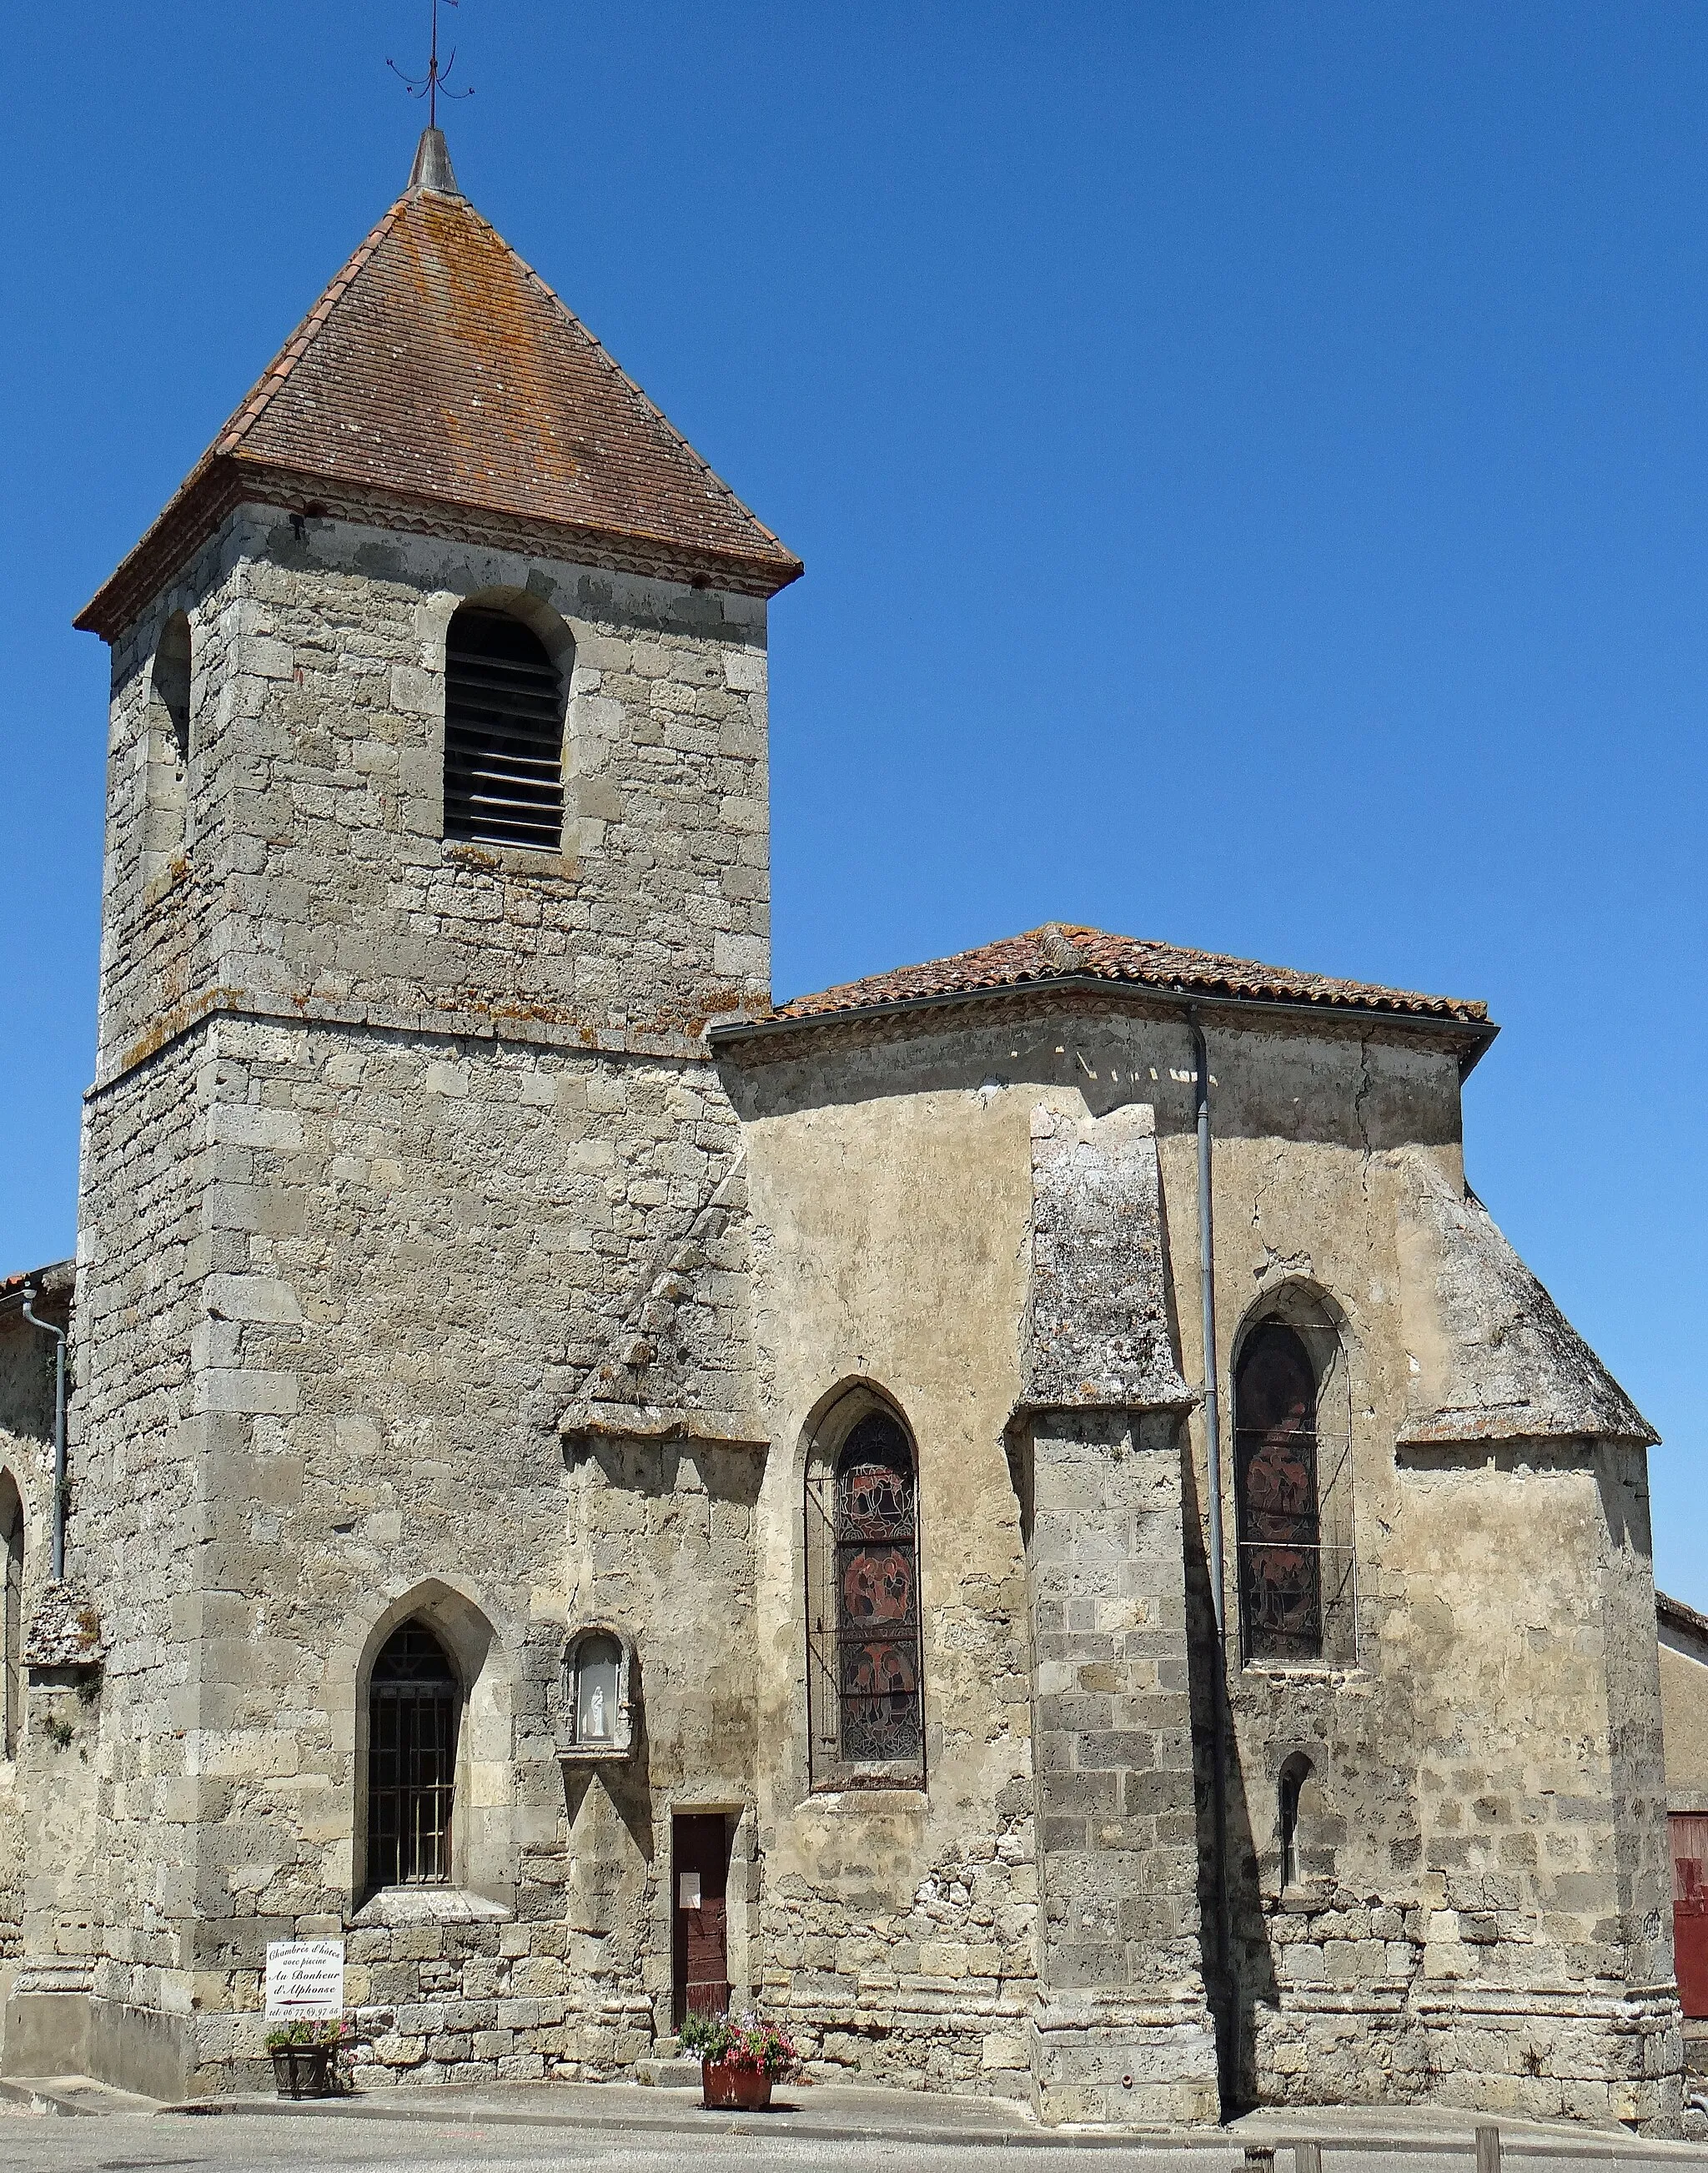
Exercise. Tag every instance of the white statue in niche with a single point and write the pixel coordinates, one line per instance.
(596, 1714)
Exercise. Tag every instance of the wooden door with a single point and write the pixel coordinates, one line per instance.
(1689, 1837)
(699, 1885)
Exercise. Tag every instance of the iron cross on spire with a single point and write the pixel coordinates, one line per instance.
(429, 86)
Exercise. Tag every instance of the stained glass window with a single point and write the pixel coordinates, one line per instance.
(877, 1593)
(1276, 1495)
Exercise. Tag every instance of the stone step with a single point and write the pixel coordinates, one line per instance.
(679, 2073)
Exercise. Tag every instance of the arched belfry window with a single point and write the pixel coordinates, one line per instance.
(167, 752)
(171, 686)
(414, 1703)
(864, 1689)
(504, 733)
(1293, 1490)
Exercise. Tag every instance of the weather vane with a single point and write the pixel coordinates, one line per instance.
(429, 86)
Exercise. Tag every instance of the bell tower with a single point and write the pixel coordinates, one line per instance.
(437, 832)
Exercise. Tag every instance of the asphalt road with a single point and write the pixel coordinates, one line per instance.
(130, 2142)
(230, 2143)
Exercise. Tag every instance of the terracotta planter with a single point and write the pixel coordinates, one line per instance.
(741, 2090)
(305, 2071)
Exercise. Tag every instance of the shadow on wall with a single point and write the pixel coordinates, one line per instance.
(653, 1469)
(1235, 1992)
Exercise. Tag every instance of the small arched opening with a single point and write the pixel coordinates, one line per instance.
(1296, 1780)
(167, 754)
(171, 685)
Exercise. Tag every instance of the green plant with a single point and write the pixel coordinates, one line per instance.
(331, 2034)
(751, 2042)
(62, 1731)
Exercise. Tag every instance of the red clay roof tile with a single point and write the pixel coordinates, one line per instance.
(439, 369)
(1055, 952)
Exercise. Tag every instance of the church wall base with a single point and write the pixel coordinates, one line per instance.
(133, 2048)
(1525, 2059)
(47, 2033)
(1132, 2068)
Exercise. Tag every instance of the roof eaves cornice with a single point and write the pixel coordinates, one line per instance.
(218, 486)
(1474, 1035)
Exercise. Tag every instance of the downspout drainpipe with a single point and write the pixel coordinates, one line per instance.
(1212, 1427)
(59, 1490)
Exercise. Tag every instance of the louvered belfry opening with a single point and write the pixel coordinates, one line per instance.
(504, 734)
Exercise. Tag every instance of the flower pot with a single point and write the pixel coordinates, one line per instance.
(740, 2088)
(305, 2071)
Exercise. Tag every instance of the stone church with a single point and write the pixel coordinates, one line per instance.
(1018, 1515)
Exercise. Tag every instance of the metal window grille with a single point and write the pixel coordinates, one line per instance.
(504, 734)
(412, 1707)
(1298, 1596)
(864, 1674)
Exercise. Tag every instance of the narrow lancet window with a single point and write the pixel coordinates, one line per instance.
(165, 830)
(1290, 1793)
(414, 1707)
(171, 687)
(504, 734)
(863, 1610)
(1276, 1485)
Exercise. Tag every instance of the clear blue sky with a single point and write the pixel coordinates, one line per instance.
(1251, 463)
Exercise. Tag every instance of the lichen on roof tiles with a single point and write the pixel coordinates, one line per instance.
(1057, 953)
(439, 368)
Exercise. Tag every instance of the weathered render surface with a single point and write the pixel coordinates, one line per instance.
(1683, 1657)
(26, 1461)
(442, 1259)
(898, 1925)
(1481, 1910)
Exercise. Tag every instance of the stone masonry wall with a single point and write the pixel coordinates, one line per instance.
(1122, 2029)
(899, 1924)
(1356, 1982)
(316, 877)
(26, 1454)
(326, 1358)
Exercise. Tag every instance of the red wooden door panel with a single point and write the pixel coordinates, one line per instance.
(700, 1877)
(1689, 1837)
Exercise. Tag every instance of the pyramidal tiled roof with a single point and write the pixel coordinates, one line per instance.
(1055, 952)
(438, 384)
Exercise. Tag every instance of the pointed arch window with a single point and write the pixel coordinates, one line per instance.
(414, 1705)
(864, 1689)
(1275, 1478)
(1293, 1488)
(504, 733)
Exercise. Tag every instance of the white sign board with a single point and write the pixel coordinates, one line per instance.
(305, 1980)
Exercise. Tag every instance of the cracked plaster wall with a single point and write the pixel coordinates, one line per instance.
(878, 1152)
